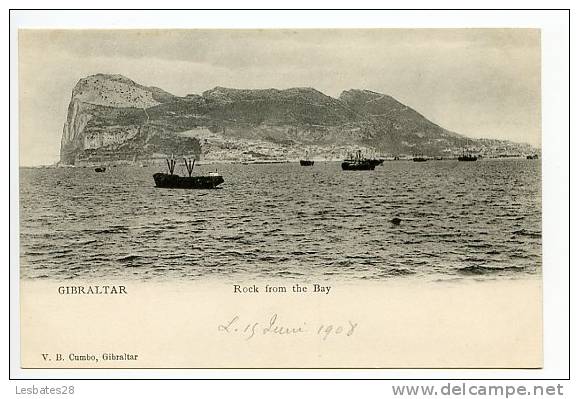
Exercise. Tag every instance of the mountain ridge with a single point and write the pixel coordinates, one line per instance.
(113, 118)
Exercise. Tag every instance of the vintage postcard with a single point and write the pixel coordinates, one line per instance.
(317, 198)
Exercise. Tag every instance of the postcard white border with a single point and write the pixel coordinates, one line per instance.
(555, 153)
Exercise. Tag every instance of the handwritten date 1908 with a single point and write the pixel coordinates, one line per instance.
(273, 327)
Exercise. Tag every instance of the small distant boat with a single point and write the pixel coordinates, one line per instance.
(419, 158)
(467, 158)
(534, 156)
(307, 161)
(100, 169)
(170, 180)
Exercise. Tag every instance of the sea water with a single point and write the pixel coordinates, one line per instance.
(477, 220)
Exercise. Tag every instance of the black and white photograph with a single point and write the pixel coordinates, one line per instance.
(364, 154)
(321, 197)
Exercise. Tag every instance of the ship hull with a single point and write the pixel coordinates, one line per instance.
(467, 159)
(358, 166)
(163, 180)
(306, 163)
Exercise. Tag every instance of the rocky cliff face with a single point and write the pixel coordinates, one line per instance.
(110, 117)
(108, 120)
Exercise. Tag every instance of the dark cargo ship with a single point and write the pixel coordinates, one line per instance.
(170, 180)
(164, 180)
(307, 161)
(467, 158)
(359, 163)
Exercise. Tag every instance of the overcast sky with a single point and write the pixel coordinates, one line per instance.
(476, 82)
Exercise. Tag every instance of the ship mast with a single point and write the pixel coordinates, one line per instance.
(189, 164)
(171, 164)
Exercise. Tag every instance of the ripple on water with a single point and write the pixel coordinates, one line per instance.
(479, 220)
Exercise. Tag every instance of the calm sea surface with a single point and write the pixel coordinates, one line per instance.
(459, 220)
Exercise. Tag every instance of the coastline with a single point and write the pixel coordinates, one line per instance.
(161, 163)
